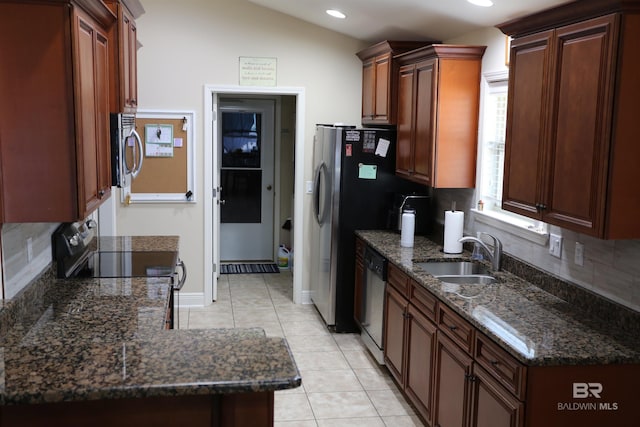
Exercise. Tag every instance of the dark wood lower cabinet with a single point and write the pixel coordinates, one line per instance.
(421, 343)
(492, 404)
(395, 306)
(223, 410)
(410, 339)
(456, 376)
(452, 388)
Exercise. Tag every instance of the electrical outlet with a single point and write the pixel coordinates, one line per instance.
(579, 256)
(555, 245)
(29, 249)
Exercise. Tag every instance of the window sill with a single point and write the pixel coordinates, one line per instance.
(511, 225)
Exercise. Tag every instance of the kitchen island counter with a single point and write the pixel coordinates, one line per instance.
(83, 340)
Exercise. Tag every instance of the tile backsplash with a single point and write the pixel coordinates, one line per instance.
(20, 263)
(611, 268)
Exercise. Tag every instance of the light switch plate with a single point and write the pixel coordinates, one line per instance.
(555, 245)
(309, 187)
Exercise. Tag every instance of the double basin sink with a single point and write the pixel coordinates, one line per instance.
(458, 272)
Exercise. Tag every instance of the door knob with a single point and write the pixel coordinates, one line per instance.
(222, 202)
(269, 187)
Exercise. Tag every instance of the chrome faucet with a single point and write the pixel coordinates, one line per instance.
(495, 255)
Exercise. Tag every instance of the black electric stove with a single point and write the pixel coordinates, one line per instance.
(127, 264)
(71, 243)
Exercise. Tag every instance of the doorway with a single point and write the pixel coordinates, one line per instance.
(295, 132)
(246, 167)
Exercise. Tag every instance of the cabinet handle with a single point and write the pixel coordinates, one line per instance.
(453, 327)
(494, 362)
(470, 377)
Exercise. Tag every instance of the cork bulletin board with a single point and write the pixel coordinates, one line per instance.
(167, 173)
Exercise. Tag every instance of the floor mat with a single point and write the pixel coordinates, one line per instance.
(249, 268)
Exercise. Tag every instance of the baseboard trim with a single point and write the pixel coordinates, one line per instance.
(190, 299)
(306, 297)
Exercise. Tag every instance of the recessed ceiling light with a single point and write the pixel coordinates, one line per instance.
(336, 13)
(483, 3)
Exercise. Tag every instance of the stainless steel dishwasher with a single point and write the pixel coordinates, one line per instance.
(375, 279)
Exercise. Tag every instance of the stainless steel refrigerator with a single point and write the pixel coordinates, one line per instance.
(354, 186)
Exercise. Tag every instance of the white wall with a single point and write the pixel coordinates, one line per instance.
(610, 269)
(191, 43)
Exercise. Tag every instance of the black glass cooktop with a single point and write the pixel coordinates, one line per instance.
(128, 264)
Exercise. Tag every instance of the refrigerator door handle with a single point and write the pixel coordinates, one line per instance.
(320, 212)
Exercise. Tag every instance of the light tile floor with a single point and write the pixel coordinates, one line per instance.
(342, 385)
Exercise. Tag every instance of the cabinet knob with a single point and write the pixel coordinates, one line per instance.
(453, 327)
(494, 362)
(101, 193)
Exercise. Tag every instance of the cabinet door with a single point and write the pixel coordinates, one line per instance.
(580, 125)
(404, 145)
(94, 173)
(421, 340)
(526, 112)
(368, 89)
(130, 62)
(394, 333)
(493, 405)
(103, 139)
(451, 386)
(383, 87)
(425, 95)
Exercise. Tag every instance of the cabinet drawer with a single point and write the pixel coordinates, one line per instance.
(456, 328)
(501, 365)
(398, 279)
(423, 300)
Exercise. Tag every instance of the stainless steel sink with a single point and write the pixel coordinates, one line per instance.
(472, 279)
(453, 268)
(458, 272)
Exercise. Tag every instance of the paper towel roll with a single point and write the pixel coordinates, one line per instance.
(453, 227)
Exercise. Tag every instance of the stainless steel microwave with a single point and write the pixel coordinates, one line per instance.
(126, 150)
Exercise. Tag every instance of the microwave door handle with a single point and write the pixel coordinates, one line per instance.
(137, 163)
(125, 163)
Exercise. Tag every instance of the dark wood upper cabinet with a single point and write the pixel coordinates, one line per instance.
(438, 109)
(124, 56)
(54, 115)
(571, 145)
(379, 81)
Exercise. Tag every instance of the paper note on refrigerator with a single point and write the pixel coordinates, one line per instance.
(367, 171)
(383, 147)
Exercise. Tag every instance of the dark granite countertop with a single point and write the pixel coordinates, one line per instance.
(536, 327)
(89, 339)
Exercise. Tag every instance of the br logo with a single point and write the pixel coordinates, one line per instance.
(585, 390)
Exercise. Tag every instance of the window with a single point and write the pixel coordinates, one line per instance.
(491, 163)
(494, 126)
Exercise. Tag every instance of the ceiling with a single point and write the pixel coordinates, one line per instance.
(376, 20)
